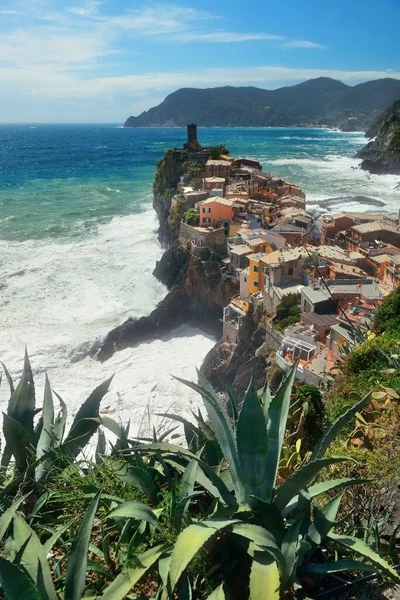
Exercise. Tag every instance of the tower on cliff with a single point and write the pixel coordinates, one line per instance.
(192, 134)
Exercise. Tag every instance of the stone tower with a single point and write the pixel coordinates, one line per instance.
(191, 134)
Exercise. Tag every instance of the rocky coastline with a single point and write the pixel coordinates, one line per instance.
(382, 154)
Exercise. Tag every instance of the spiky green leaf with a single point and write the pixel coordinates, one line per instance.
(128, 577)
(223, 430)
(324, 521)
(77, 558)
(252, 444)
(218, 593)
(277, 417)
(360, 547)
(84, 425)
(337, 426)
(264, 577)
(46, 439)
(33, 558)
(336, 567)
(21, 406)
(301, 478)
(8, 515)
(18, 442)
(289, 548)
(134, 510)
(15, 584)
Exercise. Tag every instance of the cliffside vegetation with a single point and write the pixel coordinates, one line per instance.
(382, 155)
(317, 101)
(237, 511)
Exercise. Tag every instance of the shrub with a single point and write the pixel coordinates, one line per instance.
(387, 316)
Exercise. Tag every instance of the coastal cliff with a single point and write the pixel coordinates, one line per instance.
(382, 155)
(197, 301)
(168, 174)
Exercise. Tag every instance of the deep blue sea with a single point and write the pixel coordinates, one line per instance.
(78, 246)
(64, 180)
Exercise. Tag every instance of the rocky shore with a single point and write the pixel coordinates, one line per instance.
(382, 155)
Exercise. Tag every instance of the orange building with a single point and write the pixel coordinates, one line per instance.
(216, 211)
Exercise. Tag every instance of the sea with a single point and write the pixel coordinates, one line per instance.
(78, 245)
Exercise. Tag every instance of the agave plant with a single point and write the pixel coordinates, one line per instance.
(36, 449)
(282, 528)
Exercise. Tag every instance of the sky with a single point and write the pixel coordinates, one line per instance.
(101, 61)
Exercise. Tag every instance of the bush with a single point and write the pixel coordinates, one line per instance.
(191, 217)
(387, 317)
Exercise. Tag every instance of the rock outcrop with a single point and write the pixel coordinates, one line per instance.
(168, 174)
(235, 364)
(382, 155)
(197, 300)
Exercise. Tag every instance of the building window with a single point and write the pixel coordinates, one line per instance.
(290, 271)
(206, 210)
(207, 220)
(255, 269)
(255, 283)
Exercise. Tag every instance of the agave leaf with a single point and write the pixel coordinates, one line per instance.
(186, 494)
(46, 439)
(336, 566)
(110, 424)
(337, 426)
(266, 399)
(277, 417)
(83, 426)
(48, 545)
(134, 510)
(218, 593)
(77, 558)
(33, 558)
(100, 447)
(252, 444)
(141, 479)
(223, 430)
(234, 405)
(8, 515)
(8, 377)
(209, 472)
(201, 479)
(60, 422)
(128, 577)
(21, 406)
(301, 478)
(18, 441)
(189, 543)
(256, 534)
(324, 521)
(323, 487)
(15, 584)
(264, 577)
(289, 550)
(360, 547)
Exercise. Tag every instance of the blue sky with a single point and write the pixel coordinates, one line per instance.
(101, 61)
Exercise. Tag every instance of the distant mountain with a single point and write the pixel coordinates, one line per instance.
(382, 155)
(321, 101)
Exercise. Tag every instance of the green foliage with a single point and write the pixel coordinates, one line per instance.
(288, 311)
(193, 175)
(387, 316)
(216, 151)
(224, 511)
(191, 217)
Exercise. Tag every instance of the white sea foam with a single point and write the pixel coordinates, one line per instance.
(60, 298)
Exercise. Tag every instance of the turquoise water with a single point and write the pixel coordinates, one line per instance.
(64, 181)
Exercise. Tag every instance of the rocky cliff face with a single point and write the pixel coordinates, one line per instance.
(169, 171)
(197, 300)
(382, 155)
(235, 365)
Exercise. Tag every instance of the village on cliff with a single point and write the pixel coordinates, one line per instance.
(317, 286)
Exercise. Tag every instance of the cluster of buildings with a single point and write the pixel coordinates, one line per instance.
(259, 226)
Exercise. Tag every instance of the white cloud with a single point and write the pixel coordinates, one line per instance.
(89, 9)
(6, 11)
(303, 44)
(225, 37)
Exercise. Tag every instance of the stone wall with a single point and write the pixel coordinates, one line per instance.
(200, 239)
